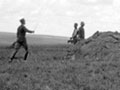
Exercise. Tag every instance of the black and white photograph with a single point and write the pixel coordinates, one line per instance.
(59, 44)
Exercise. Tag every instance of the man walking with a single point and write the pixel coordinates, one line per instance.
(21, 39)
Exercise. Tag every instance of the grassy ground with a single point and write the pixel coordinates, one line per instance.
(48, 69)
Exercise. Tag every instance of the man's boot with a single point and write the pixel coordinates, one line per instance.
(26, 54)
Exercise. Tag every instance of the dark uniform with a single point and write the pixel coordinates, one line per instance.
(81, 32)
(21, 39)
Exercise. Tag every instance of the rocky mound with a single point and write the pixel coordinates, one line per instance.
(101, 46)
(98, 61)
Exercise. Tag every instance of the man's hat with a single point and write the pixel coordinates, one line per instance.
(82, 23)
(22, 20)
(75, 24)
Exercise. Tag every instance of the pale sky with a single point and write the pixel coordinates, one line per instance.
(56, 17)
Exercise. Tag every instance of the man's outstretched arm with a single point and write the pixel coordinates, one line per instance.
(29, 31)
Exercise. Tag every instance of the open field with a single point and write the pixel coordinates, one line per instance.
(97, 66)
(47, 69)
(40, 71)
(33, 39)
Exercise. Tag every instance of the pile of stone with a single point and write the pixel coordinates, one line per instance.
(100, 46)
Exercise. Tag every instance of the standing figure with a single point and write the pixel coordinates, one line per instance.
(74, 35)
(21, 40)
(73, 39)
(81, 31)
